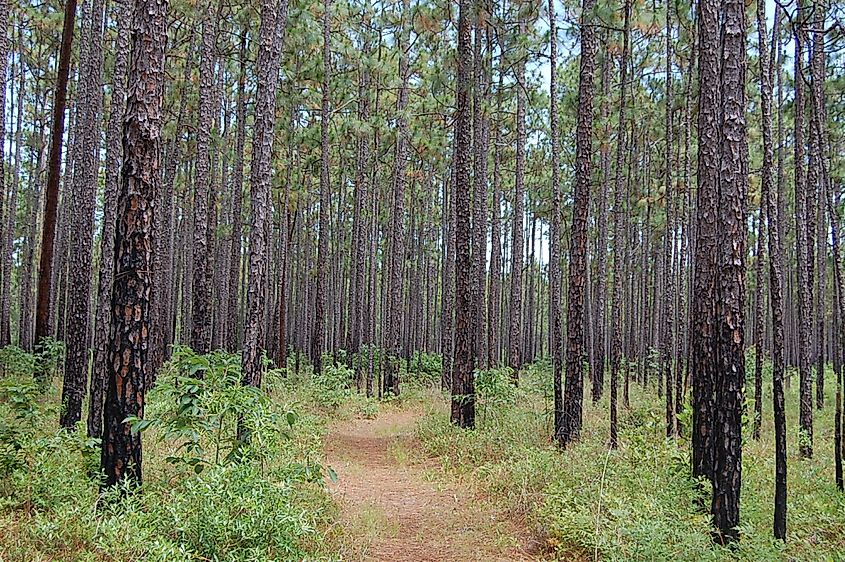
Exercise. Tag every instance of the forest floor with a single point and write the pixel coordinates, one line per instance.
(395, 508)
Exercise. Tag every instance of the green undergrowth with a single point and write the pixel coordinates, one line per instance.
(639, 502)
(206, 495)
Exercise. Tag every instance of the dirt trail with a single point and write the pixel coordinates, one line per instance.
(392, 512)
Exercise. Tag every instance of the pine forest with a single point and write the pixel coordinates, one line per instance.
(420, 280)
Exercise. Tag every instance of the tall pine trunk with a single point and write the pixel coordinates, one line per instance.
(574, 388)
(121, 457)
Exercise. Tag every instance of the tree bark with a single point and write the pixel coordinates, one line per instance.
(703, 356)
(517, 212)
(114, 156)
(201, 282)
(771, 197)
(6, 244)
(805, 416)
(121, 457)
(574, 388)
(733, 186)
(619, 234)
(480, 128)
(317, 338)
(235, 259)
(54, 171)
(83, 199)
(669, 242)
(271, 40)
(463, 383)
(396, 255)
(555, 330)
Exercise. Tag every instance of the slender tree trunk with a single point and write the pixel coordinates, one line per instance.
(619, 235)
(83, 199)
(114, 155)
(235, 259)
(703, 356)
(6, 244)
(270, 42)
(318, 337)
(556, 332)
(805, 416)
(759, 320)
(396, 255)
(771, 197)
(121, 452)
(359, 235)
(54, 172)
(480, 127)
(817, 163)
(574, 389)
(494, 301)
(463, 384)
(517, 212)
(598, 348)
(669, 242)
(201, 282)
(27, 316)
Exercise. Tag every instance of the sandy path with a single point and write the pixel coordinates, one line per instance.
(392, 512)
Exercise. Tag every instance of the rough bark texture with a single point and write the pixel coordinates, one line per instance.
(80, 253)
(703, 353)
(573, 397)
(270, 42)
(463, 387)
(805, 415)
(770, 197)
(121, 452)
(360, 238)
(759, 317)
(235, 260)
(517, 219)
(619, 235)
(480, 128)
(598, 349)
(8, 225)
(114, 156)
(494, 300)
(201, 282)
(555, 330)
(733, 186)
(817, 164)
(318, 337)
(396, 255)
(669, 242)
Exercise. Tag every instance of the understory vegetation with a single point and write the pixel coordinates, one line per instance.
(640, 501)
(210, 496)
(207, 495)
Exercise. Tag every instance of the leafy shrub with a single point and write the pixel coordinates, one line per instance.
(198, 404)
(51, 354)
(425, 369)
(233, 512)
(367, 408)
(28, 453)
(333, 386)
(206, 496)
(16, 362)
